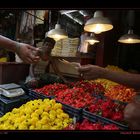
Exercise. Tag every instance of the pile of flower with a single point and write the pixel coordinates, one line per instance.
(75, 97)
(51, 89)
(107, 84)
(121, 93)
(108, 109)
(89, 86)
(36, 115)
(87, 125)
(114, 68)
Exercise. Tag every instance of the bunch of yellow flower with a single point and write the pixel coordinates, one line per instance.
(114, 68)
(108, 83)
(36, 115)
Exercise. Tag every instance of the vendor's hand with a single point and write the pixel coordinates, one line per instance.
(25, 53)
(90, 72)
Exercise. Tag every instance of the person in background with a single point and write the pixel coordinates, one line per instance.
(132, 109)
(36, 70)
(39, 73)
(24, 51)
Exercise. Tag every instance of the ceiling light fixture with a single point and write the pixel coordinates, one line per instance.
(98, 23)
(57, 33)
(92, 39)
(129, 38)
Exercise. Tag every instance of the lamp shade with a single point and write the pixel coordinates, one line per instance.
(98, 23)
(92, 39)
(129, 38)
(57, 33)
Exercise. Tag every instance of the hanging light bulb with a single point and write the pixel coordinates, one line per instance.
(98, 23)
(92, 39)
(57, 33)
(129, 38)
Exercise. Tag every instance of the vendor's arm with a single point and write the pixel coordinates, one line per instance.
(93, 72)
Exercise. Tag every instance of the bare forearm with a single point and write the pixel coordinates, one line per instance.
(91, 72)
(8, 43)
(128, 79)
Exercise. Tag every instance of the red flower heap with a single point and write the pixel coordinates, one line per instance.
(91, 87)
(75, 97)
(108, 109)
(87, 125)
(51, 89)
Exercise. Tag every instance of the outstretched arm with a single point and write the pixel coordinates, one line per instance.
(93, 72)
(23, 50)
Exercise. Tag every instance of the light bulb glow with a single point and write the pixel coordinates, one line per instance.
(98, 28)
(129, 41)
(92, 41)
